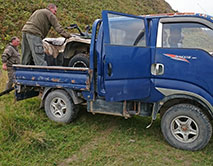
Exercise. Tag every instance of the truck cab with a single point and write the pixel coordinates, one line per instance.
(139, 65)
(140, 57)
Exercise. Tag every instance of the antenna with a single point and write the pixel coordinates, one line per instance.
(201, 7)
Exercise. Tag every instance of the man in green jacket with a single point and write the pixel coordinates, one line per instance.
(9, 57)
(35, 29)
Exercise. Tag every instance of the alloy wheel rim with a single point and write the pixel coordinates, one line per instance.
(58, 107)
(184, 129)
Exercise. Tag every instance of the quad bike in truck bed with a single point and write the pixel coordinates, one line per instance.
(71, 52)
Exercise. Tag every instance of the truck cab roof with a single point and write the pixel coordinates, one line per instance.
(173, 15)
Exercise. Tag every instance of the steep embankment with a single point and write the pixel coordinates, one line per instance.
(14, 13)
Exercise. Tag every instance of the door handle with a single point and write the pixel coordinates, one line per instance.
(109, 70)
(157, 69)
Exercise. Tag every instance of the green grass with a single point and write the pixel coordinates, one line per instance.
(28, 137)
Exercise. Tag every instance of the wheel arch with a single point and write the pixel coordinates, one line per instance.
(168, 101)
(73, 48)
(70, 92)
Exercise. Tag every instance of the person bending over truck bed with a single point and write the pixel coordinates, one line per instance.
(35, 29)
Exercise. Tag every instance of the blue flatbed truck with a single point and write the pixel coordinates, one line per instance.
(139, 65)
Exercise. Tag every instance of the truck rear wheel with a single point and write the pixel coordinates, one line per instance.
(79, 60)
(186, 127)
(59, 107)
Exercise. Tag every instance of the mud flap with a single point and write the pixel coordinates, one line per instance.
(25, 92)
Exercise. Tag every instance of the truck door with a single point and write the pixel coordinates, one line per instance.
(184, 54)
(126, 57)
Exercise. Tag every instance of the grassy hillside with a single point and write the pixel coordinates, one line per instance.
(29, 138)
(14, 13)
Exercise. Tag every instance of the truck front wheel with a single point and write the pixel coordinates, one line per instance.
(59, 107)
(186, 127)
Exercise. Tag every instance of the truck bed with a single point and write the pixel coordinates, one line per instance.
(52, 76)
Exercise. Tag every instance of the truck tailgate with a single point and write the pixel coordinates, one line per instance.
(52, 76)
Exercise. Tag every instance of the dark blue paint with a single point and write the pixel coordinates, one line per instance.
(47, 77)
(130, 77)
(198, 71)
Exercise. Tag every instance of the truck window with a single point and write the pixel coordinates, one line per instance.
(187, 35)
(126, 30)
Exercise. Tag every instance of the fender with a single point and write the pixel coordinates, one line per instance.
(74, 47)
(72, 93)
(171, 94)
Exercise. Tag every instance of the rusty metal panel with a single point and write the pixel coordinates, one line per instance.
(53, 76)
(104, 107)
